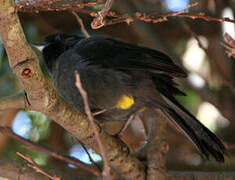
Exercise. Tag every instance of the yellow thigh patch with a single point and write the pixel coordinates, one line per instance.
(125, 102)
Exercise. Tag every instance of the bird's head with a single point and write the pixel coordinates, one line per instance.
(54, 46)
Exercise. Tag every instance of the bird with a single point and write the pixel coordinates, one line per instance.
(121, 79)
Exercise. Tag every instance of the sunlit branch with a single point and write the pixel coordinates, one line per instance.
(13, 102)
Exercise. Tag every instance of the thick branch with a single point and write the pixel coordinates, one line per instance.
(13, 102)
(42, 96)
(18, 171)
(54, 5)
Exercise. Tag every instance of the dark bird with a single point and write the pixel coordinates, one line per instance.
(122, 78)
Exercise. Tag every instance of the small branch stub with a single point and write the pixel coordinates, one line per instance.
(99, 21)
(27, 73)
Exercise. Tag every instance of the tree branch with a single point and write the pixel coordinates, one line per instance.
(106, 170)
(80, 22)
(13, 170)
(54, 5)
(99, 21)
(36, 167)
(42, 96)
(175, 175)
(13, 102)
(157, 18)
(34, 146)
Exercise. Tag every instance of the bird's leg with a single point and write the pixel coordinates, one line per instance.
(99, 112)
(95, 113)
(125, 125)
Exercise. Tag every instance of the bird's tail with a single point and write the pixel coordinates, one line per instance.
(203, 138)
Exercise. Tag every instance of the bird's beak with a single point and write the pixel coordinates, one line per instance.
(39, 46)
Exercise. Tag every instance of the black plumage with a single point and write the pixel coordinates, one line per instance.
(110, 70)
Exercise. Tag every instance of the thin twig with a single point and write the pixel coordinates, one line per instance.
(150, 17)
(90, 158)
(36, 167)
(106, 170)
(186, 9)
(126, 124)
(83, 29)
(156, 17)
(99, 21)
(153, 17)
(33, 146)
(223, 76)
(188, 29)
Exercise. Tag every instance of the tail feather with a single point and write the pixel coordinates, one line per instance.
(207, 142)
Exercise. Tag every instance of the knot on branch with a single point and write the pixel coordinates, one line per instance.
(25, 69)
(98, 22)
(27, 73)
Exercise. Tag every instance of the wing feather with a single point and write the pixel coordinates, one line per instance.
(112, 53)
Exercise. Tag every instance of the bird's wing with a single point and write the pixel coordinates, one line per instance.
(112, 53)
